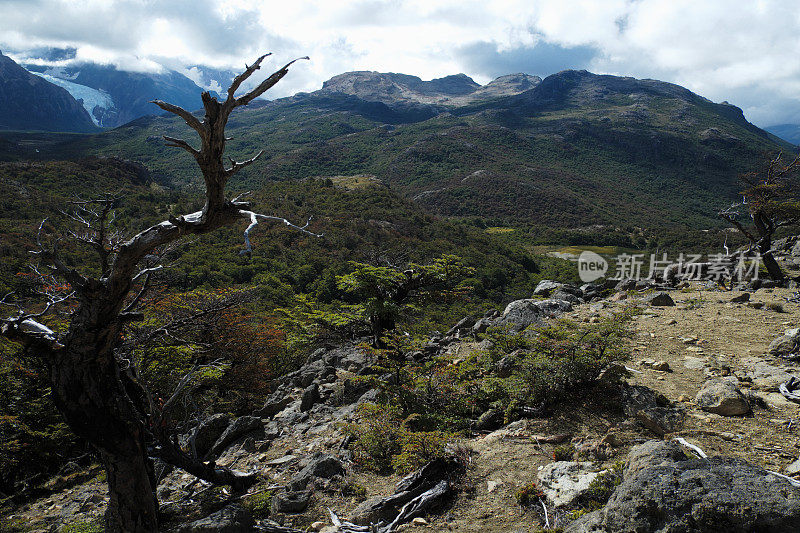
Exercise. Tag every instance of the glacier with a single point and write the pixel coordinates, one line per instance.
(91, 98)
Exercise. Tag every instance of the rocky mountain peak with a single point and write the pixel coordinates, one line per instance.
(456, 89)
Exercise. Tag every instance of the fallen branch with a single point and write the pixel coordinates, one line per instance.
(787, 389)
(696, 449)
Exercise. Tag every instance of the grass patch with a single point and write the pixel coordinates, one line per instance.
(88, 526)
(499, 230)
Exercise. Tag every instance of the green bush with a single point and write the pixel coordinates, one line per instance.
(259, 504)
(383, 443)
(564, 358)
(563, 452)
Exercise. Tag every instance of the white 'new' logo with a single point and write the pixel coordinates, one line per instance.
(591, 266)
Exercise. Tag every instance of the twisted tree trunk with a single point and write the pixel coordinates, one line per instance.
(99, 399)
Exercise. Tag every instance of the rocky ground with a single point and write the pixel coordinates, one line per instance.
(706, 369)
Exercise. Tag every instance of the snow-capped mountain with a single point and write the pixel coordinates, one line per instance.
(114, 97)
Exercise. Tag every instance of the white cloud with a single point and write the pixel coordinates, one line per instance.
(743, 52)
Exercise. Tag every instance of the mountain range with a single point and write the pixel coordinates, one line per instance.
(787, 132)
(574, 150)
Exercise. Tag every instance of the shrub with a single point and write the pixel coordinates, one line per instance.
(354, 489)
(420, 447)
(564, 357)
(382, 442)
(563, 452)
(529, 493)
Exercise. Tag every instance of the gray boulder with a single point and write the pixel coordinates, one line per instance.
(661, 420)
(462, 328)
(723, 398)
(274, 405)
(784, 346)
(564, 482)
(310, 397)
(231, 519)
(651, 409)
(742, 298)
(659, 299)
(562, 294)
(244, 425)
(665, 491)
(520, 314)
(482, 325)
(209, 431)
(320, 466)
(625, 285)
(291, 501)
(546, 287)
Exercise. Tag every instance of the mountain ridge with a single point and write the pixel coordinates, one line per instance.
(28, 102)
(576, 150)
(392, 88)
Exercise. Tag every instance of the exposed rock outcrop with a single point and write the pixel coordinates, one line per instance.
(663, 490)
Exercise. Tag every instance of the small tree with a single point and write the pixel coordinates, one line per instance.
(386, 293)
(93, 387)
(771, 199)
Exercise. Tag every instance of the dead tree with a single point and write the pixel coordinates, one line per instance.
(100, 401)
(771, 201)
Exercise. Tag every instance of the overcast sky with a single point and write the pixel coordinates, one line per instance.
(744, 51)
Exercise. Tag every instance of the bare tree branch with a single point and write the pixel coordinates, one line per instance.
(254, 217)
(236, 166)
(265, 85)
(180, 143)
(248, 71)
(190, 119)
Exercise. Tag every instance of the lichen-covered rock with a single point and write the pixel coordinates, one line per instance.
(723, 398)
(665, 491)
(564, 482)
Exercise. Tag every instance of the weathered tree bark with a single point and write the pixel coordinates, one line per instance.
(766, 230)
(99, 400)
